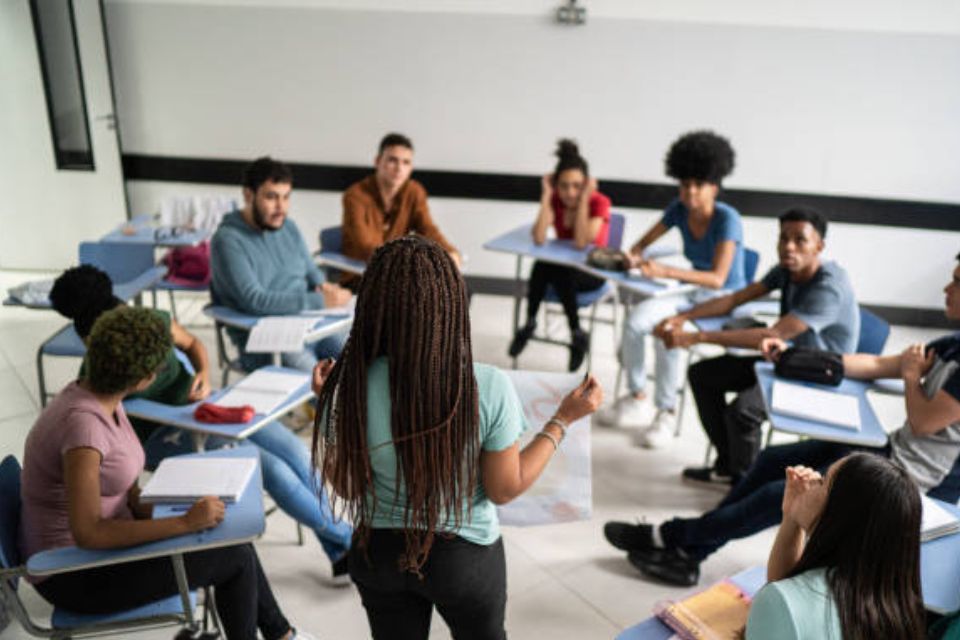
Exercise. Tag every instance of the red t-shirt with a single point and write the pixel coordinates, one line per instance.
(599, 208)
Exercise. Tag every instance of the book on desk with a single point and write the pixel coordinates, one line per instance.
(818, 405)
(186, 479)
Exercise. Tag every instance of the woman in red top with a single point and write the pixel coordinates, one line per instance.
(578, 212)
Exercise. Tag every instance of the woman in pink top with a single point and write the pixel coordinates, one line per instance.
(571, 203)
(79, 487)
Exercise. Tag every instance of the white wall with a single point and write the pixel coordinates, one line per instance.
(811, 102)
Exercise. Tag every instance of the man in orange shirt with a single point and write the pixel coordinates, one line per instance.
(387, 205)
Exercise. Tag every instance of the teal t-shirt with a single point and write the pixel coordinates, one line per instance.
(798, 608)
(501, 422)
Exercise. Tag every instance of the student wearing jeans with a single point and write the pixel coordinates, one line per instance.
(927, 446)
(420, 444)
(84, 293)
(79, 487)
(713, 243)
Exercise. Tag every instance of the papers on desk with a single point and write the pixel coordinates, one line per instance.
(279, 334)
(937, 521)
(185, 479)
(263, 390)
(36, 293)
(831, 407)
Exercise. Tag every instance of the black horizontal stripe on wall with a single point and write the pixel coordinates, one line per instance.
(938, 216)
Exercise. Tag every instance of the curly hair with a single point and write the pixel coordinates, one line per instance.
(700, 155)
(126, 345)
(568, 157)
(82, 294)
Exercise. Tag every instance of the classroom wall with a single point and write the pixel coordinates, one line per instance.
(858, 99)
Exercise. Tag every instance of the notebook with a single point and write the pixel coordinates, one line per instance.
(185, 479)
(718, 612)
(937, 521)
(263, 390)
(831, 407)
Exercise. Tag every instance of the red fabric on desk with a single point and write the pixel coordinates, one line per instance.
(215, 414)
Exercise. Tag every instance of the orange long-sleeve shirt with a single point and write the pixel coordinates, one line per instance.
(367, 224)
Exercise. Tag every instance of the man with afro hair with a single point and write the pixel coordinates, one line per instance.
(713, 243)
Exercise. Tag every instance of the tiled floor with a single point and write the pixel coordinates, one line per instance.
(564, 580)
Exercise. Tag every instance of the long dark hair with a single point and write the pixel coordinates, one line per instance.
(868, 540)
(411, 308)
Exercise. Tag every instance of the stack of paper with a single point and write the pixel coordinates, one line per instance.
(937, 521)
(263, 390)
(279, 334)
(185, 479)
(818, 405)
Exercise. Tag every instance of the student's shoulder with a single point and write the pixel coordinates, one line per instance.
(600, 199)
(947, 347)
(833, 275)
(726, 213)
(361, 190)
(489, 377)
(415, 190)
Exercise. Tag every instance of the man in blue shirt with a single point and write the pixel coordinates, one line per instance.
(261, 265)
(817, 309)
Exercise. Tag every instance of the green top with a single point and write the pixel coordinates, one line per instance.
(501, 422)
(798, 608)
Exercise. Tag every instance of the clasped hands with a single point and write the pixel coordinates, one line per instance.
(673, 335)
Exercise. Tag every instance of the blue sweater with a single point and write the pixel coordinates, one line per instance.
(262, 272)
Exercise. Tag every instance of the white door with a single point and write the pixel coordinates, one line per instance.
(46, 210)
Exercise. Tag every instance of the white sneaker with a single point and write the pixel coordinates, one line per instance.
(626, 412)
(661, 432)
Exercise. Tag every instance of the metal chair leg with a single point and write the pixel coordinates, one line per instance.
(173, 305)
(41, 379)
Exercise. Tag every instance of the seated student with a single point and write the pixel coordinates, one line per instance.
(84, 293)
(386, 205)
(846, 560)
(260, 264)
(817, 309)
(423, 444)
(79, 487)
(713, 243)
(570, 202)
(927, 446)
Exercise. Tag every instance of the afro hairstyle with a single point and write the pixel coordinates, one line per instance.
(700, 155)
(82, 294)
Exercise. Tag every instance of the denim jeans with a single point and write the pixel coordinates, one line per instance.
(640, 323)
(288, 478)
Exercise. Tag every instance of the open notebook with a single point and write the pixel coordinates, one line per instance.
(185, 479)
(818, 405)
(716, 613)
(937, 521)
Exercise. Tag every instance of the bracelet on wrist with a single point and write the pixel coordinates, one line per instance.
(560, 422)
(550, 437)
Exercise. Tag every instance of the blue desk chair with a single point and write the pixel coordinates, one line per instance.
(592, 299)
(173, 287)
(222, 318)
(331, 241)
(131, 269)
(67, 624)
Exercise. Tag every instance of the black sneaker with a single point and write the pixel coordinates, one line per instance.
(667, 565)
(708, 477)
(578, 349)
(521, 338)
(341, 571)
(628, 537)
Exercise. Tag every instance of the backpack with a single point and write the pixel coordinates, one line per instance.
(189, 265)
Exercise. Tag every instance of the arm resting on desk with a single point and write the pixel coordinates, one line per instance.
(714, 278)
(653, 234)
(787, 327)
(865, 366)
(723, 305)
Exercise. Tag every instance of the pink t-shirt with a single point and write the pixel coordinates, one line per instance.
(599, 206)
(74, 419)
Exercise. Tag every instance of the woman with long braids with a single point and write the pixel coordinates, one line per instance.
(858, 575)
(420, 444)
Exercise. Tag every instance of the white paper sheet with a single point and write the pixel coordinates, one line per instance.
(263, 390)
(187, 479)
(279, 334)
(937, 521)
(832, 407)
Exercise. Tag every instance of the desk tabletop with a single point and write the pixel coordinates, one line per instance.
(341, 262)
(126, 291)
(940, 569)
(563, 252)
(326, 325)
(243, 522)
(182, 416)
(871, 433)
(142, 230)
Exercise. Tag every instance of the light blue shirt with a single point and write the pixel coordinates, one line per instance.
(724, 225)
(501, 422)
(825, 303)
(798, 608)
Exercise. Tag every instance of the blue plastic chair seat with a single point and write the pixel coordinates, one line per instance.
(62, 619)
(584, 298)
(65, 342)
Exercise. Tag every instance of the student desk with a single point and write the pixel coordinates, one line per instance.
(871, 433)
(243, 522)
(326, 325)
(182, 416)
(750, 581)
(940, 569)
(340, 262)
(563, 252)
(126, 291)
(141, 230)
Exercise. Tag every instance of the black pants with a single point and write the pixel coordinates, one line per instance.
(467, 583)
(566, 281)
(733, 429)
(244, 599)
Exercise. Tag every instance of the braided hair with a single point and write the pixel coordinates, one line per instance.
(411, 309)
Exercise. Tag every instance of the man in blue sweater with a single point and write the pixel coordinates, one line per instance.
(261, 265)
